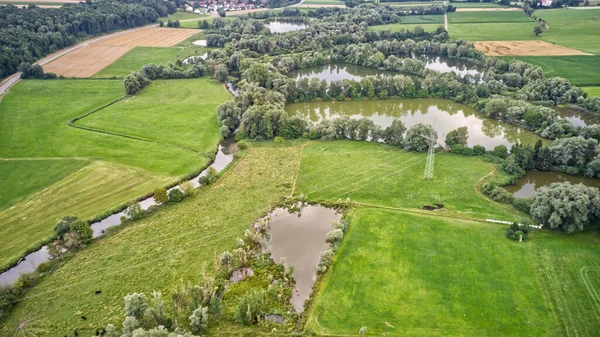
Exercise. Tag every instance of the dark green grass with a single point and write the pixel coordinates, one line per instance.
(493, 31)
(177, 112)
(488, 17)
(23, 177)
(136, 58)
(183, 16)
(394, 27)
(580, 70)
(414, 275)
(475, 5)
(388, 176)
(593, 91)
(578, 29)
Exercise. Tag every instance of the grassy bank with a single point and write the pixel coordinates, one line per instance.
(411, 275)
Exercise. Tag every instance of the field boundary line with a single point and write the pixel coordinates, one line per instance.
(297, 174)
(590, 287)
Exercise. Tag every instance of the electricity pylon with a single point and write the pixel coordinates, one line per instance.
(430, 159)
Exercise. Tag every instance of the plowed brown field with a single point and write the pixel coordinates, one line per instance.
(524, 48)
(88, 60)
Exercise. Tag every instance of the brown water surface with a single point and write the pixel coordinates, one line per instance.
(534, 180)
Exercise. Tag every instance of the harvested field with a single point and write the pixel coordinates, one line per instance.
(488, 9)
(87, 61)
(151, 37)
(524, 48)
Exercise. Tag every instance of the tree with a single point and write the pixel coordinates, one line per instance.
(83, 231)
(134, 211)
(566, 207)
(394, 134)
(500, 151)
(538, 29)
(495, 108)
(199, 319)
(64, 225)
(458, 136)
(160, 196)
(221, 73)
(175, 195)
(419, 137)
(574, 151)
(478, 150)
(543, 160)
(135, 305)
(209, 177)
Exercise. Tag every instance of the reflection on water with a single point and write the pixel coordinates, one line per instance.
(578, 118)
(27, 265)
(337, 72)
(299, 240)
(446, 65)
(534, 180)
(444, 115)
(283, 27)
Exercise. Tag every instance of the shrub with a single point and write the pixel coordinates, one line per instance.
(279, 139)
(134, 211)
(83, 231)
(187, 188)
(334, 236)
(135, 305)
(523, 204)
(175, 195)
(64, 225)
(249, 308)
(209, 177)
(461, 150)
(500, 151)
(325, 259)
(199, 319)
(478, 150)
(44, 267)
(516, 231)
(160, 196)
(242, 145)
(240, 135)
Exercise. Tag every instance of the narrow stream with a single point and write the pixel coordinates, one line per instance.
(299, 241)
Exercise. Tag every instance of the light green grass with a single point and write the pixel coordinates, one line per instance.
(177, 112)
(474, 5)
(422, 19)
(488, 17)
(410, 275)
(592, 91)
(33, 123)
(183, 16)
(23, 177)
(396, 27)
(159, 251)
(388, 176)
(86, 193)
(189, 24)
(492, 31)
(579, 70)
(573, 28)
(136, 58)
(323, 2)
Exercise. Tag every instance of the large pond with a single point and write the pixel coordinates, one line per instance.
(578, 118)
(299, 239)
(284, 27)
(224, 157)
(444, 115)
(534, 180)
(446, 65)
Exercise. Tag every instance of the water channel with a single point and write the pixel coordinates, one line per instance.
(444, 115)
(224, 157)
(284, 27)
(534, 180)
(299, 240)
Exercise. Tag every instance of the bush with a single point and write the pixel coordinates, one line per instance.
(160, 196)
(175, 195)
(83, 230)
(500, 151)
(516, 231)
(478, 150)
(64, 225)
(134, 211)
(240, 135)
(523, 204)
(209, 177)
(279, 139)
(242, 145)
(461, 150)
(44, 267)
(325, 259)
(334, 236)
(187, 188)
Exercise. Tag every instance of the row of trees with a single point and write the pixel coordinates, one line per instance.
(28, 34)
(138, 80)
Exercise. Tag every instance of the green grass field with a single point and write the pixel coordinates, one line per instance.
(580, 70)
(323, 2)
(186, 107)
(493, 31)
(21, 178)
(592, 91)
(395, 27)
(475, 5)
(573, 28)
(488, 17)
(422, 19)
(407, 275)
(382, 175)
(183, 16)
(159, 251)
(136, 58)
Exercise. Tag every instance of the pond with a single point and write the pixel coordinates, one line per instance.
(284, 27)
(337, 72)
(534, 180)
(199, 43)
(299, 239)
(191, 59)
(578, 118)
(224, 157)
(444, 115)
(445, 65)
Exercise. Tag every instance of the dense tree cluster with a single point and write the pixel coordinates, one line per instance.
(28, 34)
(138, 80)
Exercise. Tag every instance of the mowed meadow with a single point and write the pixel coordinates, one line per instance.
(124, 163)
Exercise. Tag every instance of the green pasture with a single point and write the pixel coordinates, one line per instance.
(136, 58)
(183, 16)
(422, 19)
(572, 28)
(401, 274)
(395, 27)
(323, 2)
(21, 178)
(580, 70)
(388, 176)
(592, 91)
(493, 31)
(157, 252)
(488, 17)
(475, 5)
(176, 112)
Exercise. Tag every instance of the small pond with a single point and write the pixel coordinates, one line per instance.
(578, 118)
(299, 239)
(444, 115)
(191, 59)
(534, 180)
(284, 27)
(445, 65)
(332, 72)
(200, 43)
(224, 157)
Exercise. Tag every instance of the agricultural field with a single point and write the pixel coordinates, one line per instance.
(592, 91)
(579, 70)
(323, 2)
(415, 275)
(136, 58)
(395, 27)
(155, 253)
(573, 28)
(422, 19)
(527, 48)
(334, 171)
(488, 17)
(183, 16)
